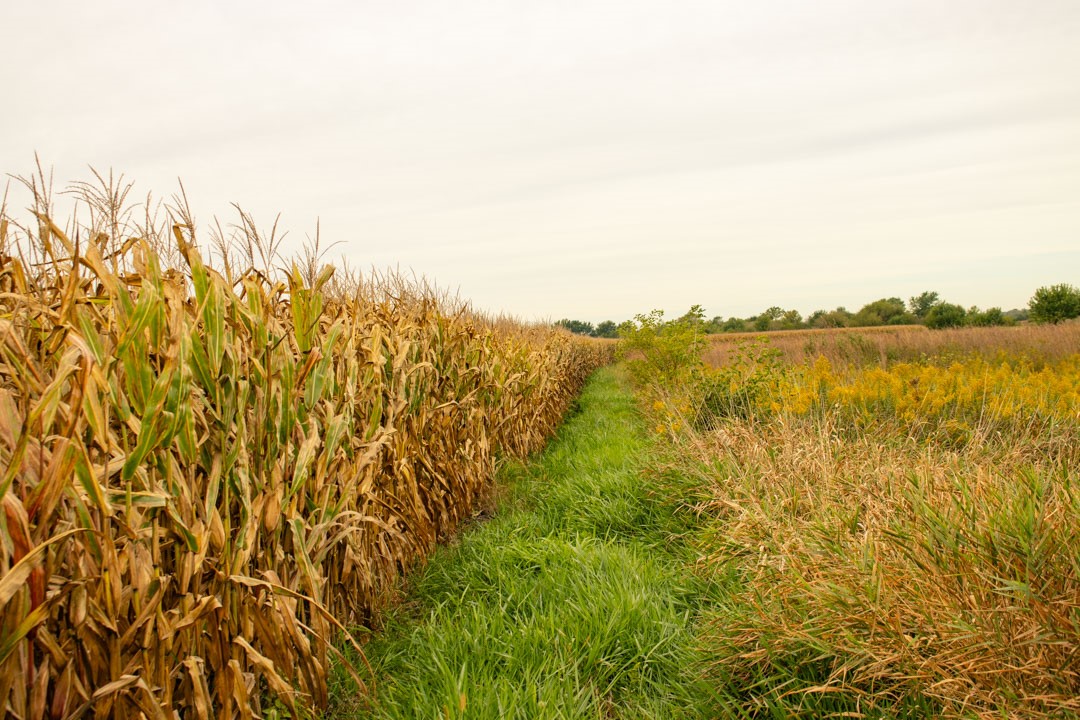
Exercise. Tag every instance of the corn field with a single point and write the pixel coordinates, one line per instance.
(208, 475)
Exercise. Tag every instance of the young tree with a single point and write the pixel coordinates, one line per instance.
(665, 352)
(694, 316)
(1055, 303)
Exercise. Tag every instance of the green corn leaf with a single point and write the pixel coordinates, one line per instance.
(148, 305)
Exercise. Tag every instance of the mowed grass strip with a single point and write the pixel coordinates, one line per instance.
(576, 600)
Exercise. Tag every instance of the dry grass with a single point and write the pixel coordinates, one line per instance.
(896, 574)
(208, 474)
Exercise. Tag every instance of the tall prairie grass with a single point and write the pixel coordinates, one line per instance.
(208, 473)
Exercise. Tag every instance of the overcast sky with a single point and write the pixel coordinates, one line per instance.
(590, 159)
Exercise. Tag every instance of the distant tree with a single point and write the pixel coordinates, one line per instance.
(791, 320)
(886, 311)
(945, 315)
(734, 324)
(840, 317)
(715, 325)
(867, 318)
(578, 327)
(1016, 314)
(765, 320)
(1055, 303)
(986, 318)
(607, 329)
(921, 304)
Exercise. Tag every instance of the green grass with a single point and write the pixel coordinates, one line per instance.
(576, 600)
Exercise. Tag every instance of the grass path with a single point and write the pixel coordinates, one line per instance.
(574, 601)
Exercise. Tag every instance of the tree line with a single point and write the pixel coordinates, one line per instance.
(1049, 304)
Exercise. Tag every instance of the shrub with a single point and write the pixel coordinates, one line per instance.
(664, 354)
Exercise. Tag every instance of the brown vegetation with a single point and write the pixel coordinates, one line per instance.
(845, 347)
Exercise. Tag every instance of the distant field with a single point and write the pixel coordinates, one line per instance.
(846, 346)
(876, 330)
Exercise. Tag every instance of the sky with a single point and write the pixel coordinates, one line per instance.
(588, 159)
